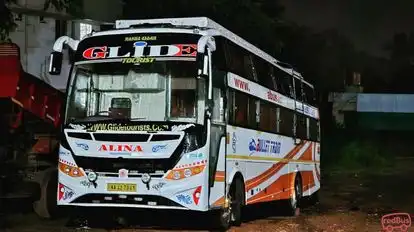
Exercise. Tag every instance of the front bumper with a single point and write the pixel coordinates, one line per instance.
(160, 193)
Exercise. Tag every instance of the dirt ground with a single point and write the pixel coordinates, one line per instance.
(350, 201)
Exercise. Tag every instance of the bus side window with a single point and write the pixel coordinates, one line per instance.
(235, 60)
(240, 109)
(219, 55)
(298, 89)
(301, 126)
(285, 82)
(239, 61)
(313, 129)
(285, 121)
(265, 74)
(310, 95)
(253, 112)
(267, 117)
(219, 105)
(250, 70)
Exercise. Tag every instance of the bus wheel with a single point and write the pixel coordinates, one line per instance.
(237, 192)
(232, 213)
(314, 198)
(294, 201)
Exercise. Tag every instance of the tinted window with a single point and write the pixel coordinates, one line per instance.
(309, 95)
(241, 109)
(301, 127)
(265, 73)
(298, 89)
(239, 61)
(313, 129)
(268, 120)
(219, 55)
(244, 111)
(286, 121)
(253, 112)
(286, 84)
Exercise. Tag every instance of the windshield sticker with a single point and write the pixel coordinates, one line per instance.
(121, 127)
(136, 38)
(140, 49)
(120, 148)
(77, 126)
(181, 127)
(135, 60)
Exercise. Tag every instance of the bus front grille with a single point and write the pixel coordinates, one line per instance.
(137, 165)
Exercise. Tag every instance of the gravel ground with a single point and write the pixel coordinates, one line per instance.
(350, 201)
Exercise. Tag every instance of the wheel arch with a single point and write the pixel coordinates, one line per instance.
(237, 175)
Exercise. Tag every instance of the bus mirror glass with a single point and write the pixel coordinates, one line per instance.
(205, 65)
(209, 107)
(55, 65)
(202, 64)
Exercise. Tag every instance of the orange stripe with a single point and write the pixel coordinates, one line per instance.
(219, 202)
(256, 181)
(220, 173)
(307, 179)
(318, 175)
(307, 187)
(307, 154)
(279, 189)
(219, 176)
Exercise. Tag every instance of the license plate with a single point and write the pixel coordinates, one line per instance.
(118, 187)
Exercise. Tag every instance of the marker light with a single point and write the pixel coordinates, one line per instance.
(92, 176)
(70, 170)
(177, 174)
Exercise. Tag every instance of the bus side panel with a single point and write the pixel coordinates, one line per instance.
(316, 169)
(217, 191)
(271, 162)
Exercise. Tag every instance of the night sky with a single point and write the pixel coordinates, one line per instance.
(368, 23)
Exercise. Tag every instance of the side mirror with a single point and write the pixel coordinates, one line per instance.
(209, 108)
(55, 63)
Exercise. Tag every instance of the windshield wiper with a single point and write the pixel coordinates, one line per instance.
(136, 119)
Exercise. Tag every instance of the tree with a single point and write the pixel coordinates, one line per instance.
(254, 20)
(73, 7)
(6, 19)
(401, 58)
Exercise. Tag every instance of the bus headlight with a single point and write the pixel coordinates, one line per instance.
(178, 174)
(70, 170)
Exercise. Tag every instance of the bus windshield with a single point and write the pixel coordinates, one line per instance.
(157, 91)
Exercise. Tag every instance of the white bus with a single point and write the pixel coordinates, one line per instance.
(183, 114)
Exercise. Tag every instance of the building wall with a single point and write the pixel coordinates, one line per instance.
(35, 35)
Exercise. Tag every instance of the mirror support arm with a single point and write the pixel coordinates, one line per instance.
(61, 41)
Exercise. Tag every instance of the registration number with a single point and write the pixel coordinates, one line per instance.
(118, 187)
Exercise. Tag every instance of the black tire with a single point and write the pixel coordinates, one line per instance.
(293, 204)
(237, 202)
(227, 217)
(314, 198)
